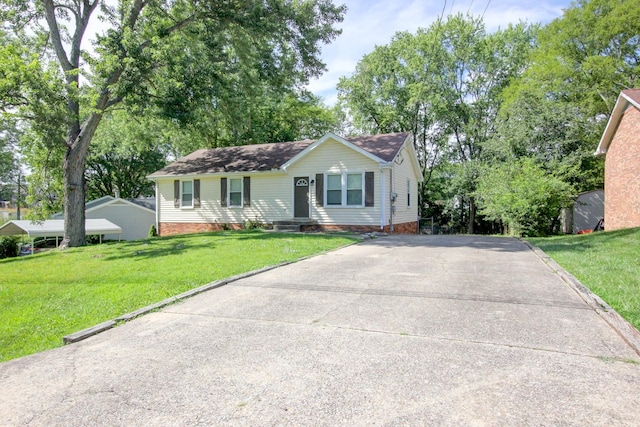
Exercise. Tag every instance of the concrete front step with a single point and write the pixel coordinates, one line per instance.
(292, 224)
(286, 227)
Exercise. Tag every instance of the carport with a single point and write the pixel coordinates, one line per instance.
(55, 228)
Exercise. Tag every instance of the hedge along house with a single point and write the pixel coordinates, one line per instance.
(367, 183)
(620, 143)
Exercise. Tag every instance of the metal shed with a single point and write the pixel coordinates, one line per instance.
(55, 228)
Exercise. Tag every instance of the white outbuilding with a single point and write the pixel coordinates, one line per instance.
(134, 216)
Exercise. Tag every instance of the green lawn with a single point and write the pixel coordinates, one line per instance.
(46, 296)
(608, 263)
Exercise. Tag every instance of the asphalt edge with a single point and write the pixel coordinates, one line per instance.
(105, 326)
(625, 329)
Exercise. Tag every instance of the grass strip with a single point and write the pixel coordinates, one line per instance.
(46, 296)
(608, 263)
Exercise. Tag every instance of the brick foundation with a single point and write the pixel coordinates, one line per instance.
(404, 228)
(622, 175)
(171, 228)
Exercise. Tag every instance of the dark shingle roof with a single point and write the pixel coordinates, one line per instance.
(265, 157)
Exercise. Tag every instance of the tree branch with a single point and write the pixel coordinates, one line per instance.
(170, 30)
(82, 20)
(54, 31)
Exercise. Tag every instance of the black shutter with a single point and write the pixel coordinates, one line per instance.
(368, 188)
(223, 192)
(196, 193)
(176, 193)
(319, 189)
(246, 194)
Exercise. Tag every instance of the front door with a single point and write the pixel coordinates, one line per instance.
(301, 197)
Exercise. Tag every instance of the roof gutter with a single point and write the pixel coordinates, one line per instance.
(214, 174)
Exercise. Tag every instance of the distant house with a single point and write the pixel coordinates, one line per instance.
(367, 183)
(620, 143)
(133, 216)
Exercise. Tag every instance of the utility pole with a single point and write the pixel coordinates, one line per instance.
(19, 195)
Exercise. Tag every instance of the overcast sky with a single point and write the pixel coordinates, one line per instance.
(369, 23)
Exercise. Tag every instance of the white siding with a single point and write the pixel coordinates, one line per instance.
(332, 157)
(270, 201)
(272, 193)
(134, 221)
(402, 173)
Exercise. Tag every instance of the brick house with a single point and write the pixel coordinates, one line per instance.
(620, 143)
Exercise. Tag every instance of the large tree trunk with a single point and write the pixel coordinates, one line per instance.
(74, 189)
(74, 218)
(472, 215)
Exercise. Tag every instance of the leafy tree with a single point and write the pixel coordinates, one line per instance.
(172, 55)
(557, 135)
(9, 136)
(561, 103)
(259, 116)
(124, 151)
(588, 55)
(556, 111)
(523, 196)
(444, 83)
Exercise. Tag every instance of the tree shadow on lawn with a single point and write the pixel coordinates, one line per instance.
(158, 247)
(174, 245)
(493, 243)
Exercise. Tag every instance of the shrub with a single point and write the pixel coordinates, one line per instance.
(94, 239)
(522, 195)
(253, 224)
(9, 247)
(152, 231)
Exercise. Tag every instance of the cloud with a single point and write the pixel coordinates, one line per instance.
(370, 23)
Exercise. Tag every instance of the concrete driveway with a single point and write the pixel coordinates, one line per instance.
(403, 330)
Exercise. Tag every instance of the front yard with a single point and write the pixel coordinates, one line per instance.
(46, 296)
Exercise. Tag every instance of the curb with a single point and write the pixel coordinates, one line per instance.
(104, 326)
(625, 329)
(86, 333)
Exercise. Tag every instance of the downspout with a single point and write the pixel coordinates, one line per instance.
(382, 199)
(157, 210)
(391, 200)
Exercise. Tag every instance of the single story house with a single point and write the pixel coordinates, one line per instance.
(366, 183)
(620, 143)
(134, 216)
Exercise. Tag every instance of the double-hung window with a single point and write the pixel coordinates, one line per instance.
(186, 194)
(345, 189)
(235, 192)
